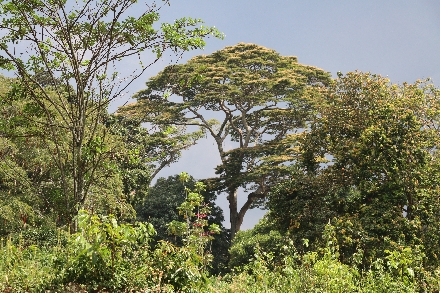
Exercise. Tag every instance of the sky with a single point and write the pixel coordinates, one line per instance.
(395, 38)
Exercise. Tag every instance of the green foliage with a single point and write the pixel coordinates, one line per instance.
(366, 164)
(198, 226)
(354, 198)
(26, 270)
(322, 271)
(28, 177)
(65, 55)
(106, 256)
(262, 236)
(160, 207)
(103, 254)
(144, 152)
(31, 181)
(44, 236)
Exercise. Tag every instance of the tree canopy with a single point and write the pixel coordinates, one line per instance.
(367, 166)
(257, 97)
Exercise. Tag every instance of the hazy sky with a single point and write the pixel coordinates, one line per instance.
(395, 38)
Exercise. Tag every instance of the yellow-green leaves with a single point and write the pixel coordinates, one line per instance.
(260, 96)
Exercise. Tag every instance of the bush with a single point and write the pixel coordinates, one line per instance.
(262, 235)
(104, 256)
(322, 271)
(29, 269)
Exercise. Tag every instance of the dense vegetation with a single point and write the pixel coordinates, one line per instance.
(347, 167)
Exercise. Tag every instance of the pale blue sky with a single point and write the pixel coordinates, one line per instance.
(395, 38)
(399, 38)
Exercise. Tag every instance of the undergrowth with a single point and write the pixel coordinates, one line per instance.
(105, 256)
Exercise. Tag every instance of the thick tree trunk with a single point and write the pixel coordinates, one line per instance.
(236, 217)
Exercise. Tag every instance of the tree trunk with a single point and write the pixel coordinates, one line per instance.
(233, 212)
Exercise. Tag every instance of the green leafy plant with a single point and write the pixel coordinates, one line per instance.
(104, 254)
(193, 258)
(160, 207)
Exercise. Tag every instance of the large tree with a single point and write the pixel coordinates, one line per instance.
(66, 56)
(370, 165)
(260, 97)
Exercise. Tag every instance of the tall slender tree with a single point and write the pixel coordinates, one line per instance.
(77, 47)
